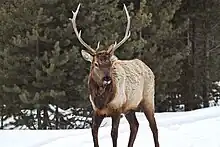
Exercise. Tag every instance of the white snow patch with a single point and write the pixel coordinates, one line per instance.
(199, 128)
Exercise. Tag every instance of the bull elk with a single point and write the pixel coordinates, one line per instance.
(118, 87)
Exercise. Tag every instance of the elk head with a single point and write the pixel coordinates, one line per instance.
(101, 61)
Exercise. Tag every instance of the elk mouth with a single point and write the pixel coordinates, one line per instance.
(107, 80)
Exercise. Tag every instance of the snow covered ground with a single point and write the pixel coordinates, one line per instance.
(199, 128)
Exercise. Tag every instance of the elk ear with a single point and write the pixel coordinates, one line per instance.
(87, 56)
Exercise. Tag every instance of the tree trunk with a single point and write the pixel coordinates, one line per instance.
(2, 117)
(45, 118)
(205, 74)
(57, 118)
(193, 40)
(205, 58)
(39, 127)
(189, 86)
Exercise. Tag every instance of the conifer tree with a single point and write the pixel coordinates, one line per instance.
(201, 34)
(39, 71)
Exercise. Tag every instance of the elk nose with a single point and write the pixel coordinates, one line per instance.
(106, 80)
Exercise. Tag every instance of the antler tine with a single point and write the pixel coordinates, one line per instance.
(127, 33)
(78, 34)
(98, 46)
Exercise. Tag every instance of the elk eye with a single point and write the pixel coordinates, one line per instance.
(96, 64)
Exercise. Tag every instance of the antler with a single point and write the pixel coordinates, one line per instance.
(127, 33)
(78, 34)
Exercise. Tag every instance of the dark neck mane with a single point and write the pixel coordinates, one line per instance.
(101, 95)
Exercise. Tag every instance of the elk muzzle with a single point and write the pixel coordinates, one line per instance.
(107, 80)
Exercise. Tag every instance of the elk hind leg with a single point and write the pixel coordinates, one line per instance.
(148, 109)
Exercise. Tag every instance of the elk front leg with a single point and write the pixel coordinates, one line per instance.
(96, 122)
(114, 131)
(134, 125)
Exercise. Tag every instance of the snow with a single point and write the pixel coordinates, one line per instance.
(198, 128)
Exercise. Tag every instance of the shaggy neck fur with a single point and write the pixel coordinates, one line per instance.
(101, 94)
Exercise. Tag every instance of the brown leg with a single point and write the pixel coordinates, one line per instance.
(114, 131)
(149, 113)
(134, 125)
(96, 122)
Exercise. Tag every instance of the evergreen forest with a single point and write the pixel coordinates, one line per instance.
(43, 77)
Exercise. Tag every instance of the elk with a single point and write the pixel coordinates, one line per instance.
(118, 87)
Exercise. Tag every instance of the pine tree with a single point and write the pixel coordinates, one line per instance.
(203, 18)
(41, 65)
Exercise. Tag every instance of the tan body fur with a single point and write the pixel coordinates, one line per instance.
(134, 84)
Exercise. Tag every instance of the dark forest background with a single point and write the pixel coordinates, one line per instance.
(43, 78)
